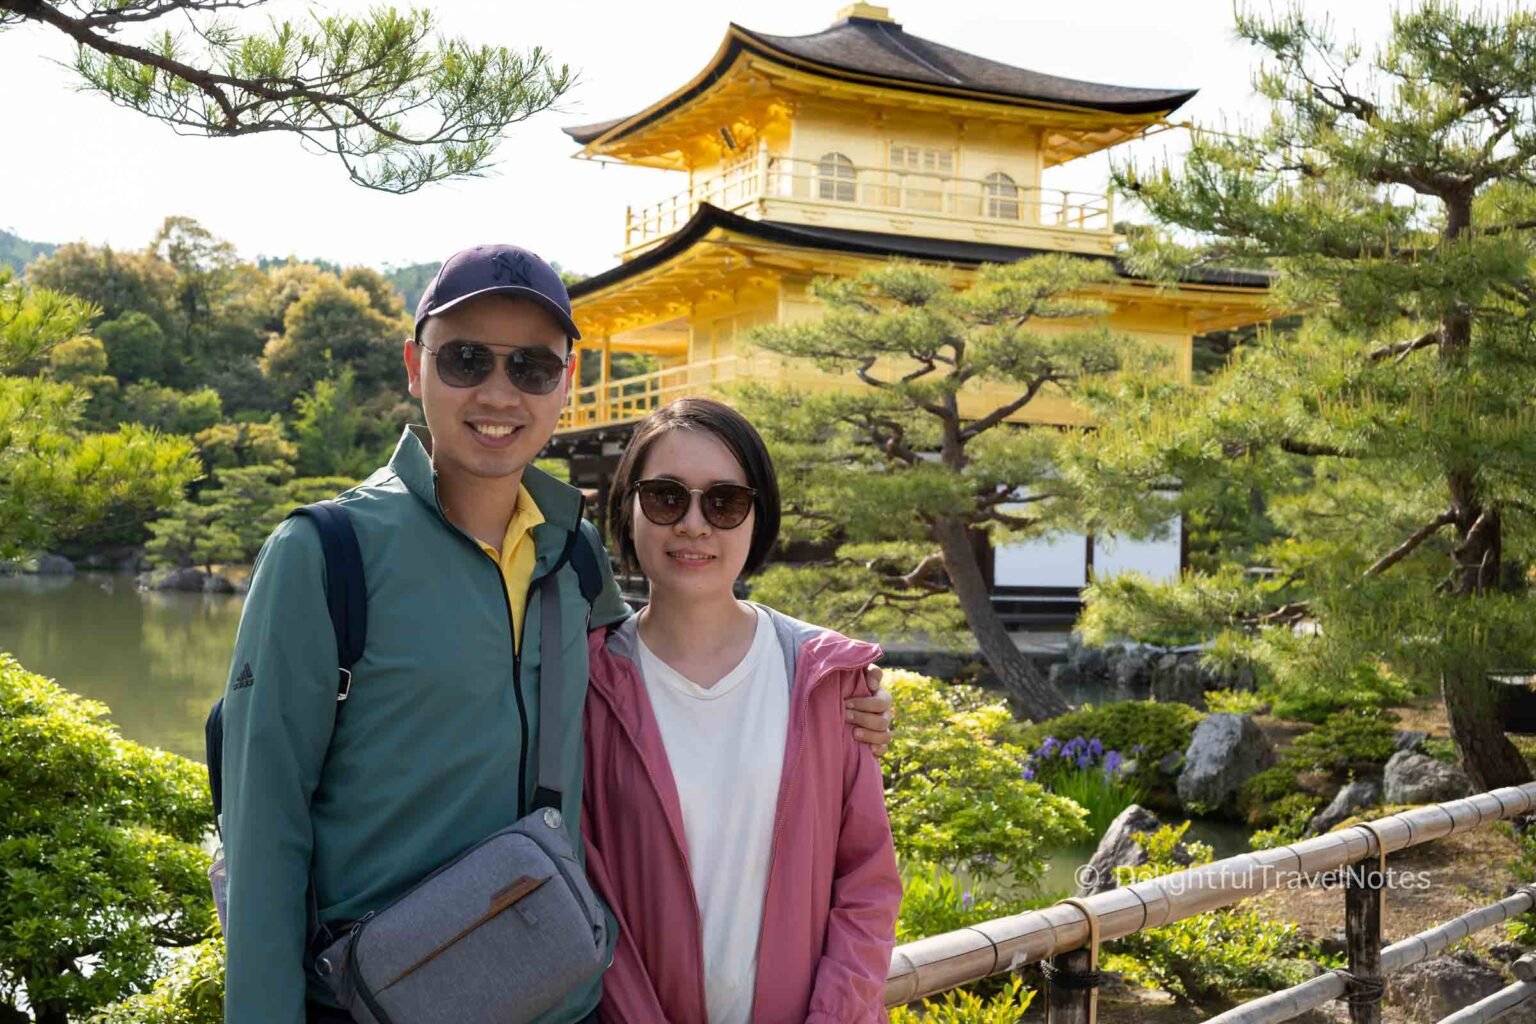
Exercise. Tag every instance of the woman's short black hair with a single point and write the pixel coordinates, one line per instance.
(736, 433)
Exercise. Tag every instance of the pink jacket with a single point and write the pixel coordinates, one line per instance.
(829, 917)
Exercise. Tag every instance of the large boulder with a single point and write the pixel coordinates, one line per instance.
(190, 580)
(1121, 848)
(1225, 751)
(1356, 796)
(1414, 778)
(1434, 989)
(49, 565)
(1132, 672)
(1179, 681)
(1409, 739)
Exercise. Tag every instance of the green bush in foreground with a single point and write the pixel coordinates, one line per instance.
(965, 1007)
(956, 792)
(1203, 960)
(192, 992)
(100, 855)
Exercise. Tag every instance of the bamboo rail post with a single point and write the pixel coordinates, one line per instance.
(1362, 932)
(1525, 967)
(1072, 978)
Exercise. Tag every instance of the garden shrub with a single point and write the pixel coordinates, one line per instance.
(962, 1006)
(1203, 960)
(1142, 730)
(101, 861)
(955, 789)
(934, 901)
(192, 992)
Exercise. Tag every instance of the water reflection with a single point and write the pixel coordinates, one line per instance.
(157, 659)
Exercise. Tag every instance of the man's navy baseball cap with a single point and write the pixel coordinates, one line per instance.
(496, 270)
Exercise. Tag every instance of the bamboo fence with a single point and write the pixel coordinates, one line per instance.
(1065, 937)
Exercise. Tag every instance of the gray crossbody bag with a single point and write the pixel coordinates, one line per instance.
(498, 935)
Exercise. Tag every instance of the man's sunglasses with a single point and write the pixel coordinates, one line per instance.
(467, 364)
(666, 502)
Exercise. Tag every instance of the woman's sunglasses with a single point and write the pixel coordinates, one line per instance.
(666, 502)
(467, 364)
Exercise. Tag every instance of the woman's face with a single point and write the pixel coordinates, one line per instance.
(691, 557)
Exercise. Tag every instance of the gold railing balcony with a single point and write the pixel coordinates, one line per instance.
(632, 398)
(783, 188)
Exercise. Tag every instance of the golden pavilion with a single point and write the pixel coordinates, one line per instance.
(828, 153)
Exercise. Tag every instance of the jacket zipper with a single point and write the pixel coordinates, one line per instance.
(517, 660)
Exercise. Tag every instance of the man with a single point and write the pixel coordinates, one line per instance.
(353, 802)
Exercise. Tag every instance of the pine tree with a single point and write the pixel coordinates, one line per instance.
(908, 469)
(400, 106)
(1395, 199)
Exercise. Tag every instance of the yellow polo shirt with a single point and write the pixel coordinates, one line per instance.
(516, 558)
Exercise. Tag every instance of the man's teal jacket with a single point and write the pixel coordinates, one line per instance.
(435, 748)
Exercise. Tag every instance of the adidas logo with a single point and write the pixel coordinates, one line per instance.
(245, 678)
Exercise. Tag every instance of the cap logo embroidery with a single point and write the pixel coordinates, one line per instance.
(513, 264)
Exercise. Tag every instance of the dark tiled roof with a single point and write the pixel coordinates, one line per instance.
(883, 48)
(864, 243)
(861, 46)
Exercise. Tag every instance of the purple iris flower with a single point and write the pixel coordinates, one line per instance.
(1029, 774)
(967, 901)
(1095, 746)
(1112, 761)
(1049, 746)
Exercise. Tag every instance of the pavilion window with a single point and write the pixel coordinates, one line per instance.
(834, 178)
(1002, 196)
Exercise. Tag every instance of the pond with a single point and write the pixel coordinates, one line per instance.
(158, 659)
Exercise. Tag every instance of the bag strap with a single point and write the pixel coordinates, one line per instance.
(582, 556)
(346, 592)
(346, 598)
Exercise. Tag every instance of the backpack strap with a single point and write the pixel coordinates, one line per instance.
(346, 597)
(346, 592)
(581, 553)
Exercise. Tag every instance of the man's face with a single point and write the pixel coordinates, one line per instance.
(492, 430)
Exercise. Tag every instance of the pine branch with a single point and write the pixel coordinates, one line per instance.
(1402, 348)
(1001, 413)
(1416, 538)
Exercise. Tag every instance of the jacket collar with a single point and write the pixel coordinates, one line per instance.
(811, 653)
(559, 503)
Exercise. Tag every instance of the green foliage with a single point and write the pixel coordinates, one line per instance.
(956, 793)
(1523, 865)
(1145, 731)
(331, 325)
(191, 992)
(100, 851)
(934, 901)
(1100, 792)
(856, 466)
(1205, 959)
(137, 348)
(398, 104)
(78, 358)
(1389, 437)
(57, 476)
(327, 426)
(226, 445)
(1285, 797)
(1235, 702)
(1289, 817)
(161, 408)
(962, 1006)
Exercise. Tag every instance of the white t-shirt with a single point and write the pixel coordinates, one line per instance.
(726, 748)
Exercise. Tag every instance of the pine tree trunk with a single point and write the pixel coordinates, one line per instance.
(1028, 691)
(1486, 753)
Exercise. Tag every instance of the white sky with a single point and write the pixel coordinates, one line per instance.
(73, 166)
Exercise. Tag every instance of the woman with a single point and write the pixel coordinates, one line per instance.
(732, 822)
